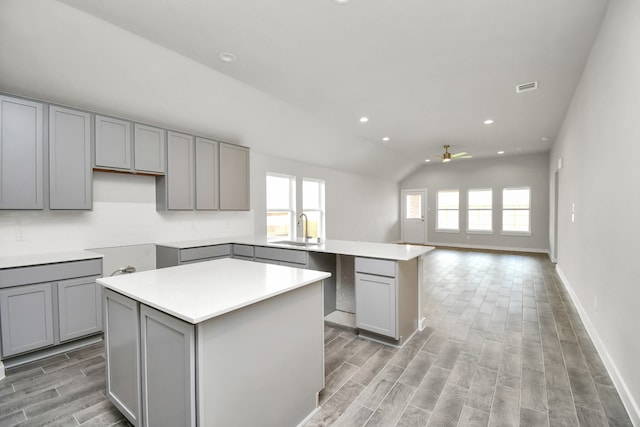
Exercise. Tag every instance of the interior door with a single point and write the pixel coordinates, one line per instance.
(414, 207)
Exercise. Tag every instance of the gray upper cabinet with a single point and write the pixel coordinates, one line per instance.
(149, 149)
(69, 159)
(113, 143)
(180, 176)
(234, 177)
(206, 174)
(21, 154)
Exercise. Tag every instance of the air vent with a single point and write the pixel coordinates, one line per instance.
(527, 87)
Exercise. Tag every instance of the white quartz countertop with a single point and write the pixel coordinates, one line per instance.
(49, 258)
(392, 251)
(201, 291)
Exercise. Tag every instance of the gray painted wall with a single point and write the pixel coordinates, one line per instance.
(509, 171)
(600, 146)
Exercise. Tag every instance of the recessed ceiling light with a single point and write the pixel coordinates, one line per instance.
(386, 139)
(341, 1)
(488, 121)
(227, 57)
(427, 160)
(500, 152)
(364, 119)
(545, 138)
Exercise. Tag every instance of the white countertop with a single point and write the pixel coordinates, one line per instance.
(201, 291)
(49, 258)
(392, 251)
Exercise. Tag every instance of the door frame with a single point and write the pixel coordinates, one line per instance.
(424, 211)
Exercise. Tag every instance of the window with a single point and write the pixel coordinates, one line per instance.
(448, 214)
(313, 207)
(413, 206)
(516, 210)
(280, 205)
(479, 217)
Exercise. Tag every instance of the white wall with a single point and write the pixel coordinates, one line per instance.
(124, 213)
(509, 171)
(357, 207)
(600, 147)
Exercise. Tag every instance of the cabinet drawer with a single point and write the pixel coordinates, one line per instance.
(379, 267)
(286, 255)
(49, 272)
(243, 250)
(191, 254)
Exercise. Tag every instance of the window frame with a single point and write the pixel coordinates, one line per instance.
(321, 203)
(292, 201)
(528, 209)
(438, 209)
(469, 209)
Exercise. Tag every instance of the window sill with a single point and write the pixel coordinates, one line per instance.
(438, 230)
(516, 233)
(479, 231)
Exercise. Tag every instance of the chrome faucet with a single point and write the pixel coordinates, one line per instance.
(305, 228)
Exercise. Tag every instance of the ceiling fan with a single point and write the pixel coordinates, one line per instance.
(447, 156)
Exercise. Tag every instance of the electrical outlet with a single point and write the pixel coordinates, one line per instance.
(19, 235)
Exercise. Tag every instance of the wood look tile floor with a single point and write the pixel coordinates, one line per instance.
(503, 346)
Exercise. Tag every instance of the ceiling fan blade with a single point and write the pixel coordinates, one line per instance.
(459, 154)
(464, 157)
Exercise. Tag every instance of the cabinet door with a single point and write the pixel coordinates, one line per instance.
(168, 369)
(26, 316)
(149, 148)
(122, 351)
(21, 154)
(234, 177)
(376, 304)
(69, 159)
(206, 174)
(180, 154)
(79, 307)
(113, 143)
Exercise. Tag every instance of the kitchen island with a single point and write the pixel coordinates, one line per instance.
(225, 342)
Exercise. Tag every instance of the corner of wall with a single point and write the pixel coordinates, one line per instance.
(629, 402)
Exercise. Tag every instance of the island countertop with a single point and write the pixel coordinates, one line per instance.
(391, 251)
(201, 291)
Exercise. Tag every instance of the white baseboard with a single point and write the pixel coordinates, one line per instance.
(491, 248)
(627, 398)
(2, 374)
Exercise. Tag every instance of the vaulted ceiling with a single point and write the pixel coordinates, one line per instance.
(426, 73)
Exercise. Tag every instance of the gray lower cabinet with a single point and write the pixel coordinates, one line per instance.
(288, 257)
(79, 308)
(48, 304)
(150, 363)
(122, 352)
(244, 252)
(149, 149)
(234, 177)
(168, 369)
(113, 143)
(26, 316)
(387, 297)
(21, 154)
(167, 256)
(70, 172)
(206, 174)
(376, 304)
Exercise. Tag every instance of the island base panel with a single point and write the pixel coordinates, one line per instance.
(263, 364)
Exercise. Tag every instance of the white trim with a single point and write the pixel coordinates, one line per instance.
(493, 248)
(2, 374)
(479, 231)
(447, 230)
(516, 233)
(630, 404)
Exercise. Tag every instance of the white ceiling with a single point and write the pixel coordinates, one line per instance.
(425, 72)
